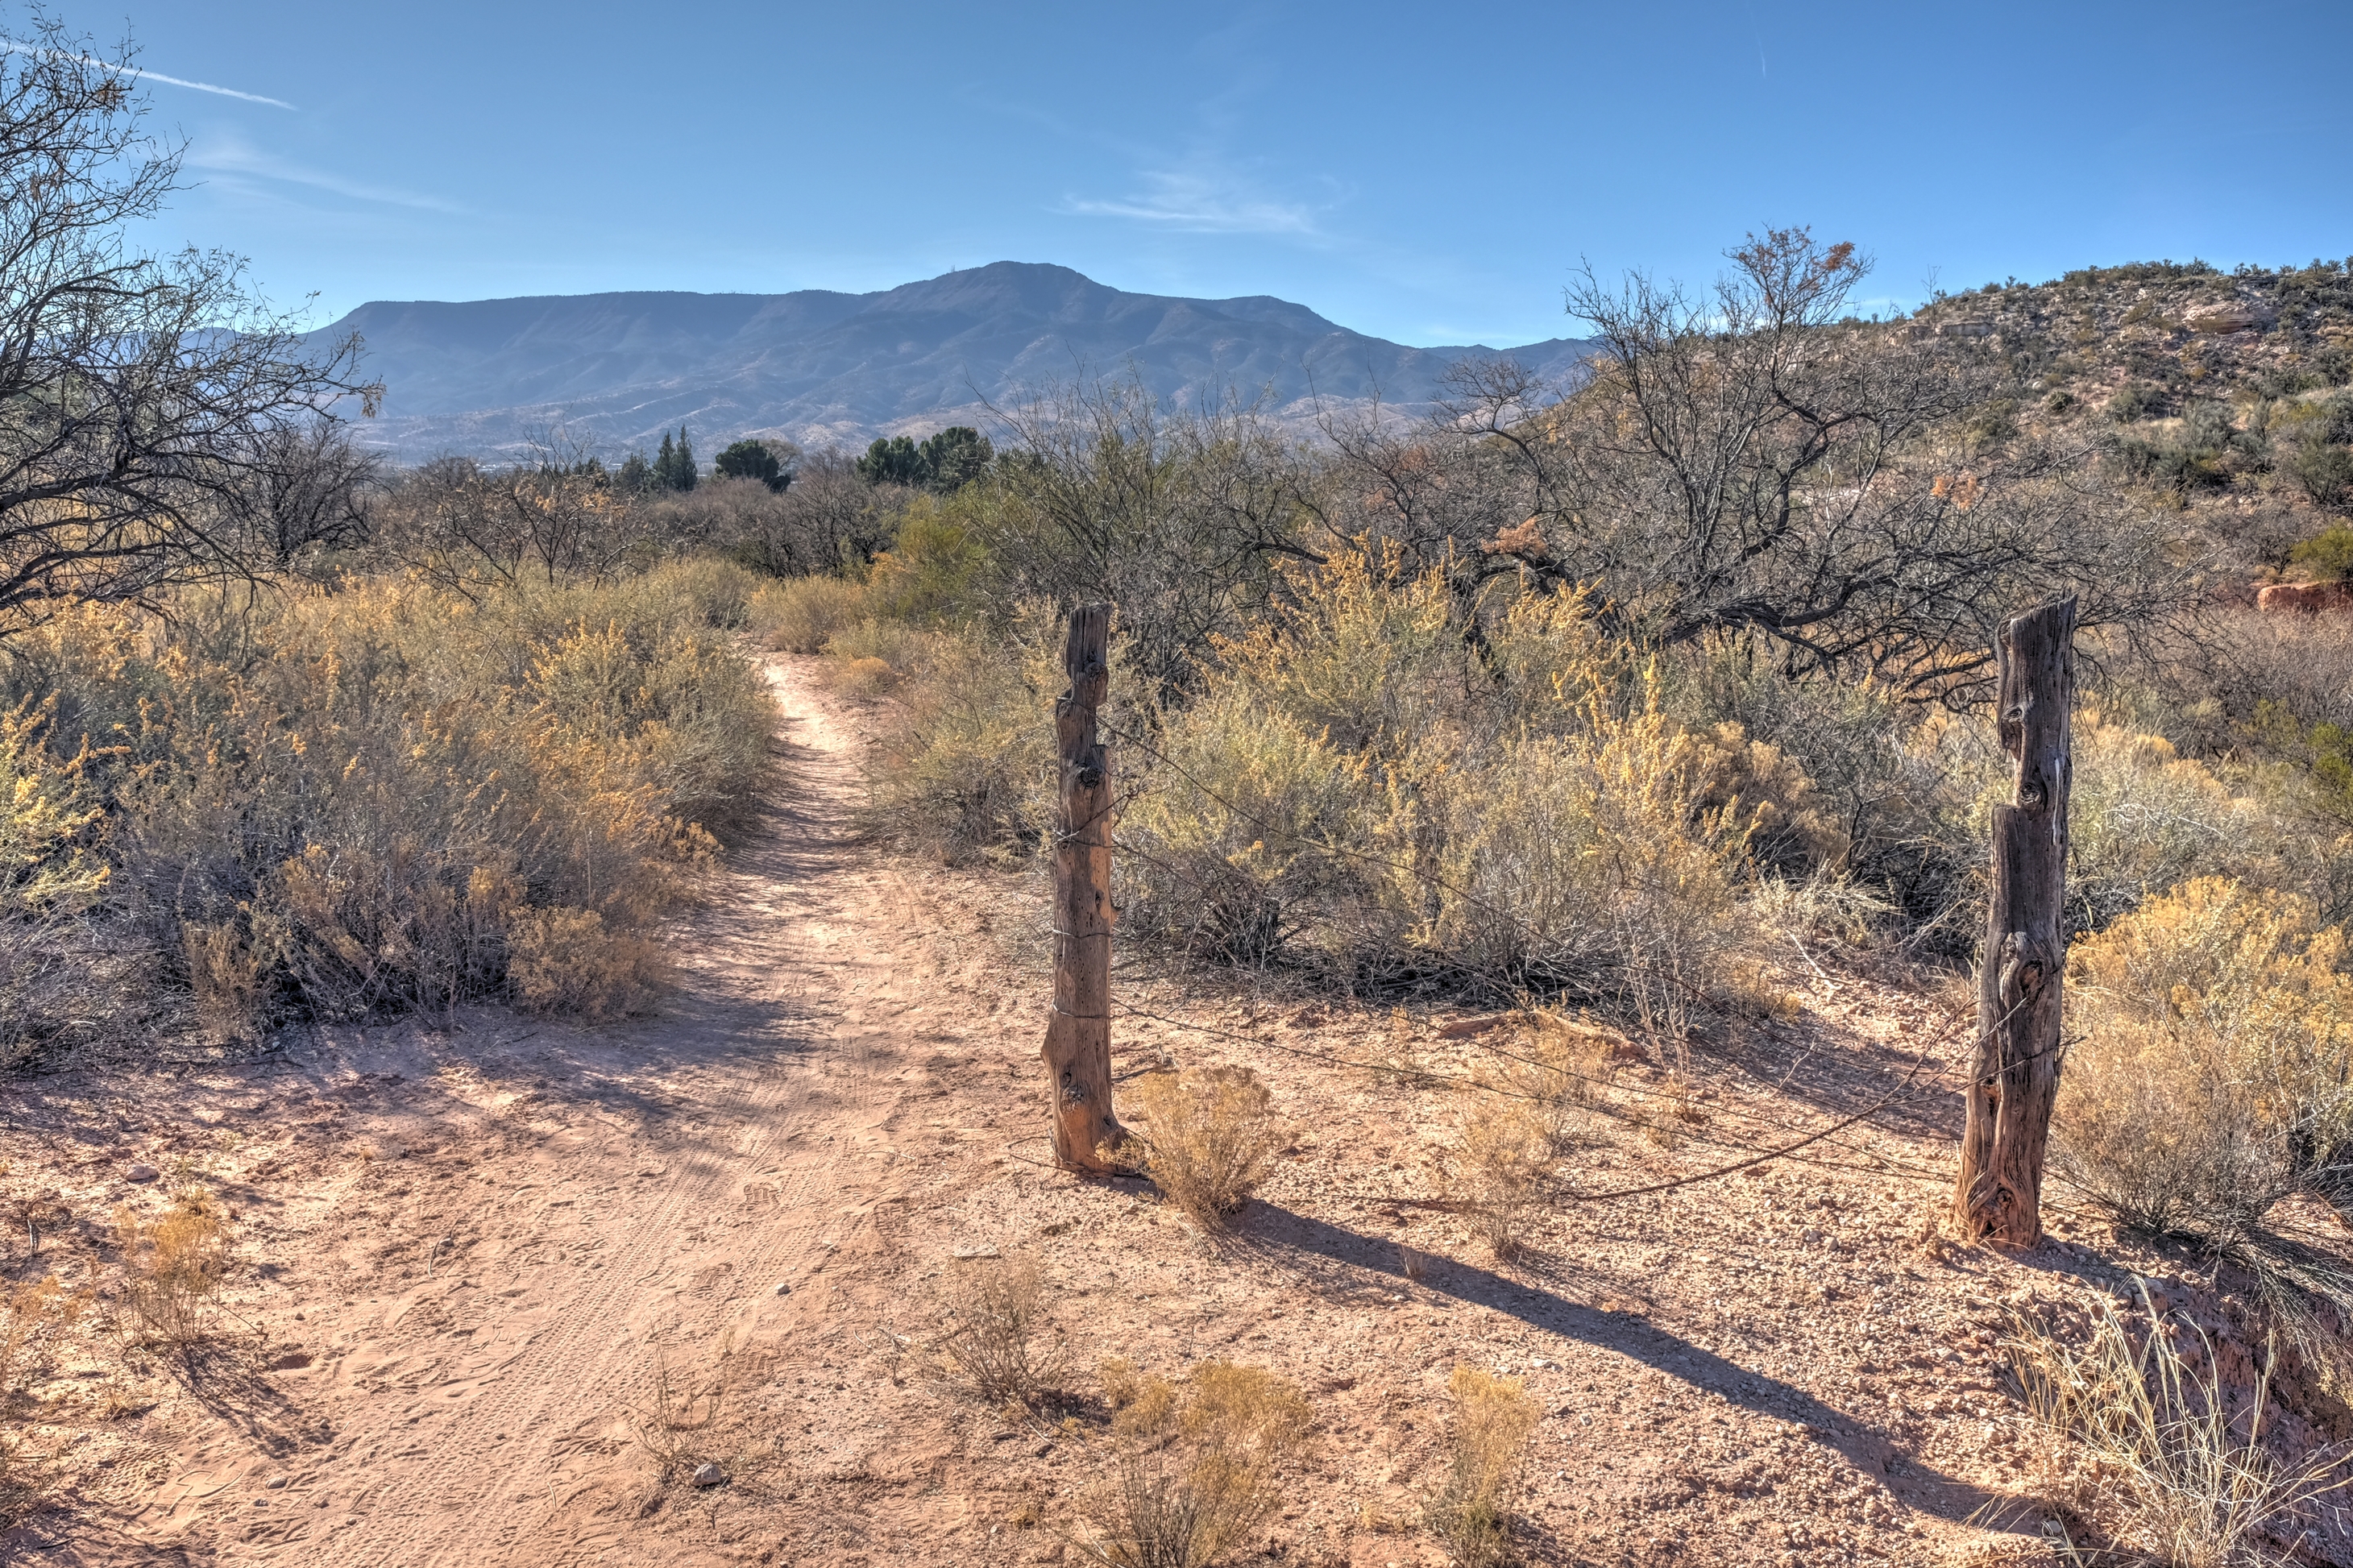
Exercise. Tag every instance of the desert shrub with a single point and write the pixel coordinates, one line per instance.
(2200, 452)
(1195, 1466)
(966, 768)
(1791, 824)
(2145, 819)
(172, 1268)
(51, 873)
(2156, 1459)
(936, 567)
(2328, 556)
(826, 520)
(1487, 1452)
(2210, 1082)
(1357, 788)
(564, 961)
(1002, 1347)
(2317, 438)
(866, 677)
(1887, 787)
(367, 800)
(1207, 1139)
(2135, 400)
(801, 615)
(2212, 1078)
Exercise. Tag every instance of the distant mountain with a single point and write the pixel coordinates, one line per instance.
(615, 369)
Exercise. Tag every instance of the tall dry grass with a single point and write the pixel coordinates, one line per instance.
(1473, 1511)
(2154, 1455)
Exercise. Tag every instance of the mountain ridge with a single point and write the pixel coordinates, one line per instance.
(613, 370)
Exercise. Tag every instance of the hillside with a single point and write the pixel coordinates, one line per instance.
(816, 367)
(2221, 393)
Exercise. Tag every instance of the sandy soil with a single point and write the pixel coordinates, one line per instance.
(474, 1252)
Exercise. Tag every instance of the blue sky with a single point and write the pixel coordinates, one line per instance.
(1423, 174)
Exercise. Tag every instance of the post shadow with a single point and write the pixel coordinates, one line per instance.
(1304, 1244)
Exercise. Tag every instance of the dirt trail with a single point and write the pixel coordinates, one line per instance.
(634, 1197)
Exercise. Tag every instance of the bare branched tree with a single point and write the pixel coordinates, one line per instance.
(147, 405)
(471, 529)
(1756, 462)
(1177, 515)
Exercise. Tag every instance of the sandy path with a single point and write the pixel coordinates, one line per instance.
(720, 1156)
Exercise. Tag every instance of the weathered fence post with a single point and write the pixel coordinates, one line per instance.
(1078, 1035)
(2014, 1076)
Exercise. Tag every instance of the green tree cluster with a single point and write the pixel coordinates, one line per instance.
(673, 466)
(761, 460)
(943, 463)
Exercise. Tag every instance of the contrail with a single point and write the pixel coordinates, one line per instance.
(12, 46)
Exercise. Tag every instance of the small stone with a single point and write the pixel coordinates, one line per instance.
(966, 1254)
(276, 1483)
(140, 1173)
(783, 1288)
(707, 1475)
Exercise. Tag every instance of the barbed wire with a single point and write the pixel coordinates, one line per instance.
(1909, 1084)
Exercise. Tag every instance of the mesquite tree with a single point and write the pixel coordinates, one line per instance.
(1753, 462)
(158, 424)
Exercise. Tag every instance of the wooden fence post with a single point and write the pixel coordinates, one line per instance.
(2014, 1074)
(1078, 1034)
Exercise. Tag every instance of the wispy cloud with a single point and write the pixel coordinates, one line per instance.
(228, 155)
(12, 46)
(1200, 203)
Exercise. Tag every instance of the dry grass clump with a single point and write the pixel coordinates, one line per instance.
(1208, 1138)
(1472, 1513)
(387, 796)
(1559, 1068)
(172, 1268)
(2212, 1082)
(2164, 1469)
(1506, 1169)
(51, 874)
(1197, 1464)
(673, 1423)
(802, 614)
(1002, 1347)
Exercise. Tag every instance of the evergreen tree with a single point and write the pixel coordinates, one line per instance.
(682, 473)
(754, 460)
(665, 461)
(896, 461)
(954, 457)
(635, 476)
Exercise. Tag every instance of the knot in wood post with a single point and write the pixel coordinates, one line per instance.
(1078, 1030)
(2014, 1076)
